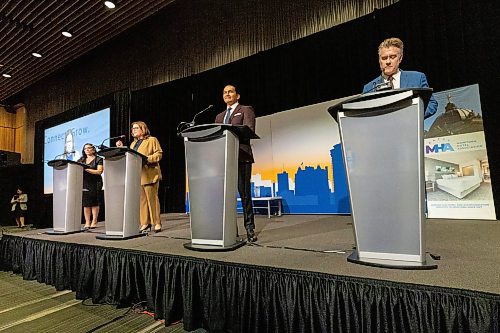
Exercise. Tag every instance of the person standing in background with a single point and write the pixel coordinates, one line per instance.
(20, 207)
(148, 146)
(92, 185)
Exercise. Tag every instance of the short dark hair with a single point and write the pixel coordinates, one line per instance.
(232, 85)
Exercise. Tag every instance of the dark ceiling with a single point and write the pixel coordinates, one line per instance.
(28, 26)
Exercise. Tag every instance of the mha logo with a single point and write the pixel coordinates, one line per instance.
(442, 148)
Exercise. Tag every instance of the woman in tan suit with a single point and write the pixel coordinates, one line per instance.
(148, 146)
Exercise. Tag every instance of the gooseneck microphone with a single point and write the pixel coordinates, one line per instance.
(102, 146)
(379, 86)
(183, 125)
(193, 122)
(382, 84)
(65, 153)
(58, 156)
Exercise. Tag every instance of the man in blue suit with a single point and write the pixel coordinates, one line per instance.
(390, 55)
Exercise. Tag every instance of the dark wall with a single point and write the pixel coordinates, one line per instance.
(453, 42)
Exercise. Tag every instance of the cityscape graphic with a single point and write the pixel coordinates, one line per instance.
(311, 192)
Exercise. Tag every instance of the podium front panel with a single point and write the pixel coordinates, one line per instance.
(383, 155)
(114, 194)
(132, 194)
(122, 183)
(67, 197)
(212, 180)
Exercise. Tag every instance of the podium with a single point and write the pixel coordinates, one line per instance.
(122, 182)
(382, 141)
(67, 197)
(212, 172)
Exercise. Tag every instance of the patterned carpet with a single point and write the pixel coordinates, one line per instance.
(29, 306)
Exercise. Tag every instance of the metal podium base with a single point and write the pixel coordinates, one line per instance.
(395, 264)
(117, 237)
(214, 248)
(55, 232)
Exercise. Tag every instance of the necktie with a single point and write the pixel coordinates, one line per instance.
(390, 80)
(228, 115)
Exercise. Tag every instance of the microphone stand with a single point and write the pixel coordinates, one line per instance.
(183, 125)
(102, 146)
(192, 123)
(60, 155)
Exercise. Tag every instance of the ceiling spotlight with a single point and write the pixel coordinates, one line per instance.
(6, 75)
(35, 54)
(66, 33)
(109, 4)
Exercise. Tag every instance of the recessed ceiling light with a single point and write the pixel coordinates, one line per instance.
(35, 54)
(6, 75)
(109, 4)
(66, 33)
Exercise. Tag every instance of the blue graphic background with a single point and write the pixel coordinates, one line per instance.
(92, 128)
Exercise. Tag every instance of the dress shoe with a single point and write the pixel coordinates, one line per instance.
(251, 236)
(157, 228)
(144, 228)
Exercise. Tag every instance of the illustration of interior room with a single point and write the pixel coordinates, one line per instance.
(457, 179)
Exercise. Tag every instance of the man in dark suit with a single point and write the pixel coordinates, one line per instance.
(237, 114)
(390, 55)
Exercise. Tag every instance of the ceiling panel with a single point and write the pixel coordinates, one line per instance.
(28, 26)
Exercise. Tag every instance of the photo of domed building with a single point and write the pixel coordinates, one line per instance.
(455, 120)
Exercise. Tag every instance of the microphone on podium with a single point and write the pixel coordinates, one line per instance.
(65, 153)
(183, 125)
(102, 146)
(380, 86)
(383, 86)
(193, 122)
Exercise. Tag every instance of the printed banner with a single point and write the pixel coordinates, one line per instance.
(457, 174)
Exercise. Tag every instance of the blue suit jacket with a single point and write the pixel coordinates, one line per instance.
(408, 79)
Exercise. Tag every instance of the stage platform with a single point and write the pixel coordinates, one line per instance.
(294, 279)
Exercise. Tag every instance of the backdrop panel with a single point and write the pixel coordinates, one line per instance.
(457, 173)
(299, 159)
